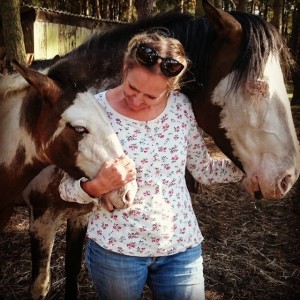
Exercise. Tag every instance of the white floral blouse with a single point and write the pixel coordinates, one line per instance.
(161, 220)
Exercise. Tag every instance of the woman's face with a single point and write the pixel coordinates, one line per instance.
(143, 89)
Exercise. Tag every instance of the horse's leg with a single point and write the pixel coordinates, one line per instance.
(6, 210)
(42, 235)
(76, 230)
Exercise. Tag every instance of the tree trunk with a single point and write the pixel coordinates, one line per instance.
(12, 31)
(277, 9)
(144, 8)
(242, 6)
(199, 11)
(96, 9)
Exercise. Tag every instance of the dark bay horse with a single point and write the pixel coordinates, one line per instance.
(236, 87)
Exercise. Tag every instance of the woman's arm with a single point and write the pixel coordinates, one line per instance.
(114, 174)
(202, 166)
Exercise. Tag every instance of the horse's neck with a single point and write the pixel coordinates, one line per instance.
(17, 146)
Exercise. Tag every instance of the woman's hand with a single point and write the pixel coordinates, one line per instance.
(113, 175)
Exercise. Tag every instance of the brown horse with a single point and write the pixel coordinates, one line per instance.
(237, 90)
(51, 121)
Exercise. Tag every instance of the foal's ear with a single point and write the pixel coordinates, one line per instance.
(224, 24)
(44, 85)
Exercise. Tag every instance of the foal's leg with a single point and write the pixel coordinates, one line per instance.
(43, 200)
(42, 235)
(75, 235)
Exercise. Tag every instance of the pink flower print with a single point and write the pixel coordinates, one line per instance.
(164, 118)
(175, 158)
(178, 106)
(162, 149)
(111, 241)
(183, 230)
(166, 127)
(115, 217)
(141, 250)
(135, 212)
(146, 193)
(133, 235)
(176, 128)
(131, 137)
(155, 240)
(145, 217)
(117, 227)
(145, 150)
(171, 192)
(131, 245)
(174, 149)
(154, 227)
(133, 147)
(120, 249)
(142, 229)
(118, 121)
(180, 240)
(125, 216)
(144, 161)
(104, 226)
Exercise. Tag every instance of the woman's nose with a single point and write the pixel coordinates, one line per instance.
(137, 99)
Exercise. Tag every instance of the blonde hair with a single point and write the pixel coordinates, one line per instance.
(165, 46)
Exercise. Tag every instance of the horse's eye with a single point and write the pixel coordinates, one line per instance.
(80, 129)
(77, 128)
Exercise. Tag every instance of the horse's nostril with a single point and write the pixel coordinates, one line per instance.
(258, 195)
(127, 197)
(285, 183)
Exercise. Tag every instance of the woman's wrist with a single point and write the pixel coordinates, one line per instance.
(91, 188)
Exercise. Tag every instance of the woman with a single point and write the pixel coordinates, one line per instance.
(156, 240)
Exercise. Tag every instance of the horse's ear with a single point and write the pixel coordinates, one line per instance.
(225, 25)
(44, 85)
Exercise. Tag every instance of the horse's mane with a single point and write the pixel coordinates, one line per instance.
(260, 40)
(123, 32)
(196, 34)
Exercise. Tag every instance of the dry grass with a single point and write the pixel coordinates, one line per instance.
(251, 248)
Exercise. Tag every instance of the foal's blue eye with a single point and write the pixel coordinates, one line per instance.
(80, 129)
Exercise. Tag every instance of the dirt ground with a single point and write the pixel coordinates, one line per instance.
(251, 248)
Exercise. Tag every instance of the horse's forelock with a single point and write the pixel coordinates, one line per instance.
(260, 40)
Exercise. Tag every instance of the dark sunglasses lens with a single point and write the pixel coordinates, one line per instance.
(171, 67)
(146, 55)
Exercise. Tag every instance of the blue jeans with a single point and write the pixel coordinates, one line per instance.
(121, 277)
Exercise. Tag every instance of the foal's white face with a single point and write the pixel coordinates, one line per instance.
(99, 142)
(259, 123)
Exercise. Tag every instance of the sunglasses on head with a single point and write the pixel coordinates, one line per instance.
(148, 56)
